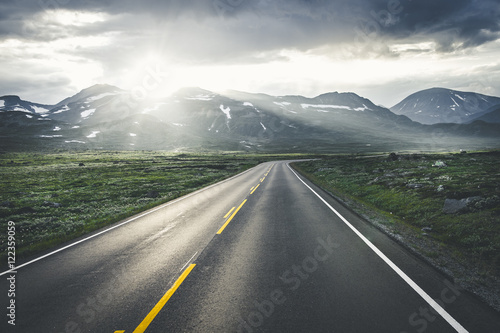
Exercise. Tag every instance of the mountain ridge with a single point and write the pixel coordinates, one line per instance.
(15, 103)
(491, 115)
(102, 117)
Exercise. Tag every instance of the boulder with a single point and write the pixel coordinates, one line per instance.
(452, 206)
(440, 164)
(392, 157)
(26, 210)
(152, 194)
(52, 204)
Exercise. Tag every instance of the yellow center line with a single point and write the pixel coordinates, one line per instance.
(119, 331)
(152, 314)
(229, 219)
(262, 179)
(252, 188)
(256, 187)
(229, 212)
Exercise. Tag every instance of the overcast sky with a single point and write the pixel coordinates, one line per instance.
(383, 50)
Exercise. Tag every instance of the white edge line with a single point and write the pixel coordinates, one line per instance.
(125, 222)
(187, 263)
(446, 316)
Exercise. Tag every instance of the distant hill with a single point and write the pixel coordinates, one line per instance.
(15, 103)
(492, 115)
(440, 105)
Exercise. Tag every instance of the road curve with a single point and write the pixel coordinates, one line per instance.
(265, 251)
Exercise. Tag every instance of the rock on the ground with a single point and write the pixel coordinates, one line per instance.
(440, 164)
(452, 206)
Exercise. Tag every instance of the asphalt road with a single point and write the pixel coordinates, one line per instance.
(261, 252)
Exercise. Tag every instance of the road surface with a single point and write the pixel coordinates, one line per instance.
(264, 251)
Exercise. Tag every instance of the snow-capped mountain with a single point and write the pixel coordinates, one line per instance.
(439, 105)
(108, 117)
(89, 105)
(15, 103)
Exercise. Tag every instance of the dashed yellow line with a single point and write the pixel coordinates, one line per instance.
(229, 219)
(225, 216)
(152, 314)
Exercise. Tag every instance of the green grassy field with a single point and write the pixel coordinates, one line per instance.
(411, 190)
(56, 197)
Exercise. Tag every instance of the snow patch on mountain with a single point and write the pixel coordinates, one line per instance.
(201, 98)
(39, 109)
(282, 104)
(93, 134)
(64, 108)
(226, 111)
(322, 106)
(98, 97)
(364, 108)
(19, 108)
(87, 113)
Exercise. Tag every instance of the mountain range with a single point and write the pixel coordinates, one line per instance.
(107, 117)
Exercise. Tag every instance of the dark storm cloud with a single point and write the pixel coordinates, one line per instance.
(263, 25)
(451, 24)
(310, 23)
